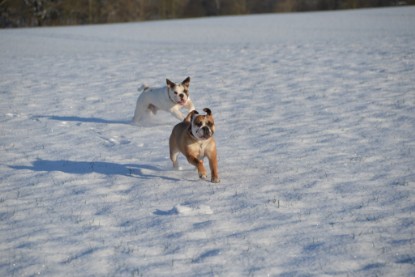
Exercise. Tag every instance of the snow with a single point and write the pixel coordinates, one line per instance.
(315, 126)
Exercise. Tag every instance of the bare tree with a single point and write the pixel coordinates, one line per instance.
(38, 10)
(64, 12)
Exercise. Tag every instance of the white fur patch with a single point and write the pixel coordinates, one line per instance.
(176, 93)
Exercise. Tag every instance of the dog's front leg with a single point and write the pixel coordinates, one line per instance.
(213, 164)
(177, 113)
(199, 165)
(189, 105)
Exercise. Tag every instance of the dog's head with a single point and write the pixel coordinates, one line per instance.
(201, 126)
(178, 93)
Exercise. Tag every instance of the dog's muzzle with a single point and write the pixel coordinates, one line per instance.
(206, 132)
(182, 101)
(202, 132)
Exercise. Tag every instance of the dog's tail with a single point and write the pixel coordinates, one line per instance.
(143, 87)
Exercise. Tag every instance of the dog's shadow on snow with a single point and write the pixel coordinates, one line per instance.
(83, 119)
(106, 168)
(148, 121)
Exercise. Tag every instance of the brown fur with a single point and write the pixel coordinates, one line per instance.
(182, 140)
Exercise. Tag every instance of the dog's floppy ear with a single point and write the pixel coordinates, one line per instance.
(170, 84)
(186, 82)
(189, 117)
(207, 111)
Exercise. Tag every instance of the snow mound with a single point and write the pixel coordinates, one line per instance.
(184, 209)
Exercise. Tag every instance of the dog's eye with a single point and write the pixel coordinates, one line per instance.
(199, 124)
(209, 124)
(175, 92)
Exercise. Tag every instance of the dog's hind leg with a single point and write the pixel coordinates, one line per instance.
(137, 116)
(152, 108)
(138, 112)
(174, 153)
(173, 157)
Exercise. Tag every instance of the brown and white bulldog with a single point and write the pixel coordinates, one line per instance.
(193, 137)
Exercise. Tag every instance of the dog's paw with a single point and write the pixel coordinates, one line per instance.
(177, 167)
(135, 122)
(202, 176)
(215, 180)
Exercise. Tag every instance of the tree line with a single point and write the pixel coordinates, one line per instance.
(25, 13)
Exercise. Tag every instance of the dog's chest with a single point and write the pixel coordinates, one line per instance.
(199, 148)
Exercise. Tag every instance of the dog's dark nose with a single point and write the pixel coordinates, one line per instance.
(206, 130)
(181, 95)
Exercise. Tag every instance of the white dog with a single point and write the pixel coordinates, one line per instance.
(170, 98)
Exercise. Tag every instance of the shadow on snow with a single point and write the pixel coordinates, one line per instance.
(106, 168)
(148, 121)
(85, 119)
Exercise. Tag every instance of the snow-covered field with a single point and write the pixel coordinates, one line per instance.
(315, 118)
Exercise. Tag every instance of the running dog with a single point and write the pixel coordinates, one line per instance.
(193, 137)
(170, 98)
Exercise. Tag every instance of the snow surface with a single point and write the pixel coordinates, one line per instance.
(315, 116)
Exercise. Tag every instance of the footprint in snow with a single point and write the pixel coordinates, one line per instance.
(115, 140)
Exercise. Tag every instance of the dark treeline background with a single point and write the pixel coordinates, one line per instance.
(23, 13)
